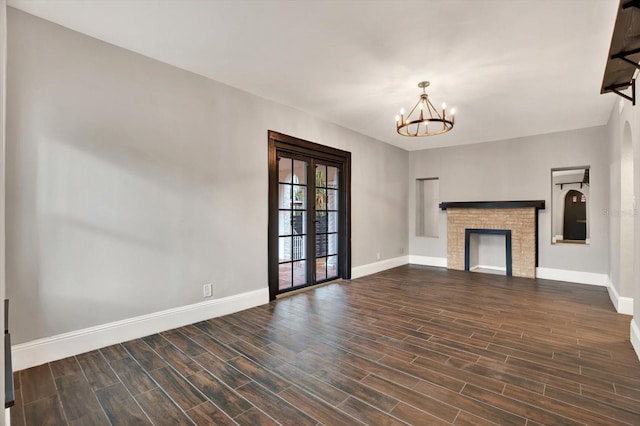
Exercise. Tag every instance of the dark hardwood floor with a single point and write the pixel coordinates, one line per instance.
(412, 345)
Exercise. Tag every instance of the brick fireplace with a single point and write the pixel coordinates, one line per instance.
(518, 217)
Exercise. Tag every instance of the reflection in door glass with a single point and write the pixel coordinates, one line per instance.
(284, 196)
(284, 223)
(321, 268)
(299, 273)
(332, 266)
(284, 170)
(332, 177)
(300, 171)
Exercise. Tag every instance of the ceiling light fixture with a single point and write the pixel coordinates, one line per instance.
(427, 120)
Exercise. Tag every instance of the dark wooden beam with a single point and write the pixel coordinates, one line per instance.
(537, 204)
(624, 52)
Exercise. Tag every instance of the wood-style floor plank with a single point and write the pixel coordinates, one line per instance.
(120, 407)
(37, 383)
(45, 411)
(97, 369)
(76, 396)
(220, 394)
(255, 417)
(178, 388)
(134, 377)
(411, 345)
(208, 414)
(274, 406)
(161, 410)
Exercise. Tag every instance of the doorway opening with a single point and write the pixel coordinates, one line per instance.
(575, 217)
(309, 214)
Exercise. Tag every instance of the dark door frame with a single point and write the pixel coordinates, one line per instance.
(279, 142)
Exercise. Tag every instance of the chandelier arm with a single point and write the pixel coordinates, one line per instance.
(413, 109)
(432, 108)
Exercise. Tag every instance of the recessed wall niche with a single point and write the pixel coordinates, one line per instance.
(427, 211)
(570, 201)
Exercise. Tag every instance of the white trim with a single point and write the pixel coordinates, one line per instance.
(37, 352)
(579, 277)
(635, 337)
(490, 268)
(428, 261)
(383, 265)
(3, 167)
(623, 305)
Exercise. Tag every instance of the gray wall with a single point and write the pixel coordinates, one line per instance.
(131, 183)
(621, 215)
(520, 169)
(625, 221)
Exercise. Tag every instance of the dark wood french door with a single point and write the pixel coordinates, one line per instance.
(309, 232)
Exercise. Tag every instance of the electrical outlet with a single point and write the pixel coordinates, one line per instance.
(206, 290)
(401, 250)
(378, 256)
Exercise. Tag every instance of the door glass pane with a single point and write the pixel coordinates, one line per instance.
(284, 222)
(284, 170)
(332, 222)
(299, 247)
(332, 266)
(299, 196)
(332, 177)
(299, 220)
(300, 171)
(285, 278)
(284, 196)
(332, 245)
(321, 222)
(321, 268)
(332, 199)
(299, 273)
(321, 176)
(321, 199)
(285, 248)
(321, 245)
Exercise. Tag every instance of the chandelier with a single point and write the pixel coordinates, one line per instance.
(424, 119)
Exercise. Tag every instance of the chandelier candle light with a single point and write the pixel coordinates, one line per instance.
(428, 122)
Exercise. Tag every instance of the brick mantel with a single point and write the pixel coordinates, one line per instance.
(518, 216)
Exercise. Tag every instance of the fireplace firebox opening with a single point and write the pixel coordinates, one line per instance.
(467, 245)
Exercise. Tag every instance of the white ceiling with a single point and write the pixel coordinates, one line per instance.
(510, 67)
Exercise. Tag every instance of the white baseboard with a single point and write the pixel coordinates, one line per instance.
(623, 305)
(383, 265)
(635, 336)
(37, 352)
(578, 277)
(428, 261)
